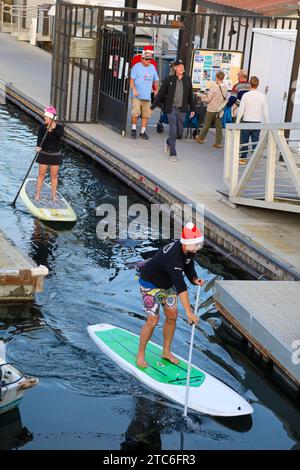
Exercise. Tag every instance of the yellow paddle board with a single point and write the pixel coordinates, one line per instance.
(45, 208)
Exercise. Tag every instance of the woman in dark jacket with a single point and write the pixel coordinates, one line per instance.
(49, 152)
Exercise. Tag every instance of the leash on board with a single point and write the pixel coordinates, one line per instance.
(13, 204)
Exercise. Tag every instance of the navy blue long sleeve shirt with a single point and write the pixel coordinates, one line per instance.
(168, 267)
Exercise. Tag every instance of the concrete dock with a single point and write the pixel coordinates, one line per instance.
(267, 314)
(267, 243)
(20, 277)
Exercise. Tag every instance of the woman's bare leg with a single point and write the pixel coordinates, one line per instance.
(40, 181)
(54, 181)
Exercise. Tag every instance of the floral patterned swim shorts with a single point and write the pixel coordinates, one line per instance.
(152, 298)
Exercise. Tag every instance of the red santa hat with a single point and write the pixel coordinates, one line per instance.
(148, 48)
(191, 235)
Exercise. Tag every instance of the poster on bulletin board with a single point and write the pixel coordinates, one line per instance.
(207, 63)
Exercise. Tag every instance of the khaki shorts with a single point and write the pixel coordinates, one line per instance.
(141, 108)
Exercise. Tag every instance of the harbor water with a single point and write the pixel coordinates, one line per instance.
(83, 400)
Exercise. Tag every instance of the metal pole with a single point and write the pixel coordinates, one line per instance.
(186, 401)
(186, 36)
(130, 17)
(294, 77)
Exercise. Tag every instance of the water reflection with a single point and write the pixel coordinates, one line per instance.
(13, 434)
(43, 242)
(143, 432)
(18, 319)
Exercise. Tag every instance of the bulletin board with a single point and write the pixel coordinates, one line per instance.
(207, 63)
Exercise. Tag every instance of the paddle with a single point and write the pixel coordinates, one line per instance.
(13, 204)
(190, 358)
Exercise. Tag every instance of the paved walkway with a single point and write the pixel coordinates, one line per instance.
(196, 175)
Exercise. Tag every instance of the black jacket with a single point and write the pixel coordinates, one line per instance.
(168, 266)
(53, 140)
(165, 96)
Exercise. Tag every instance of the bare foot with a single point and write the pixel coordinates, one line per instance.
(169, 357)
(37, 198)
(140, 362)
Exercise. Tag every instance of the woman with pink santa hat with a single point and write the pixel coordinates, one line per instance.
(49, 151)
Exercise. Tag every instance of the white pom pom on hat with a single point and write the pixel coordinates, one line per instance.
(191, 235)
(50, 112)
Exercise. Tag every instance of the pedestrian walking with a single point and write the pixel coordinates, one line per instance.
(143, 77)
(162, 282)
(216, 97)
(237, 92)
(138, 58)
(176, 98)
(253, 108)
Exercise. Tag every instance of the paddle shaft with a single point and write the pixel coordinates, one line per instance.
(13, 204)
(187, 389)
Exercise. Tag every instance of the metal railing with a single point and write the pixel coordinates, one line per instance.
(265, 173)
(27, 23)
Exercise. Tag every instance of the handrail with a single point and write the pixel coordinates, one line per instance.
(270, 178)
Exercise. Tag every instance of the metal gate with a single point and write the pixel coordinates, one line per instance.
(117, 51)
(91, 53)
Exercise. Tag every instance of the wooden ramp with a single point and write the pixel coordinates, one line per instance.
(267, 313)
(20, 277)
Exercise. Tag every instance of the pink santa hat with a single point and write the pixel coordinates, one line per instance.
(50, 112)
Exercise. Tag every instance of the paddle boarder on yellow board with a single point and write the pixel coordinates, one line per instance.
(162, 282)
(49, 152)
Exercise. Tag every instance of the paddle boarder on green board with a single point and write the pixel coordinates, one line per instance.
(162, 282)
(50, 152)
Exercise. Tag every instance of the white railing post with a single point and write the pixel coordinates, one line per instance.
(234, 167)
(270, 168)
(227, 156)
(33, 31)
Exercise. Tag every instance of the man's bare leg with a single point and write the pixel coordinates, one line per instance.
(134, 119)
(145, 336)
(145, 122)
(168, 332)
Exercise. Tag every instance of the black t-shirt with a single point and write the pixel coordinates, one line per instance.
(168, 266)
(52, 143)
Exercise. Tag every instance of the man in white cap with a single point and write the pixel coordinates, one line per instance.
(161, 282)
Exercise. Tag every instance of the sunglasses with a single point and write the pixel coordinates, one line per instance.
(146, 59)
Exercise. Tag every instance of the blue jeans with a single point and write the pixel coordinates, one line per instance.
(245, 138)
(176, 119)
